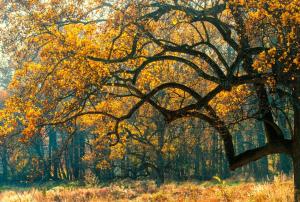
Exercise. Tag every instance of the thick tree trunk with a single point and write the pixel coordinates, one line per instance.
(296, 164)
(296, 141)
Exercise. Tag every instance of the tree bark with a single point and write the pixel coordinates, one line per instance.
(296, 165)
(255, 154)
(296, 141)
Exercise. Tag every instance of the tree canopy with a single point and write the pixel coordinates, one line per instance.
(106, 65)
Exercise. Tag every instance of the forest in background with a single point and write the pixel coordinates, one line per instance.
(167, 90)
(187, 151)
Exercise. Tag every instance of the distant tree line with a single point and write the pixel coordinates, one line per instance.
(187, 151)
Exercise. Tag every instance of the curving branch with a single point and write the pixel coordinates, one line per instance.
(118, 60)
(283, 146)
(150, 60)
(164, 8)
(186, 49)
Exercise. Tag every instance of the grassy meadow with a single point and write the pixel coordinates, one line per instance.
(280, 189)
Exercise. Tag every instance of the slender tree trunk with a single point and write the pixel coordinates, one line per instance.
(76, 159)
(54, 160)
(198, 153)
(77, 154)
(240, 144)
(4, 164)
(160, 170)
(81, 155)
(221, 163)
(159, 155)
(263, 163)
(39, 149)
(214, 158)
(62, 172)
(197, 149)
(70, 161)
(67, 158)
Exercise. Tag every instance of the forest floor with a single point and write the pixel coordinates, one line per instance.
(210, 191)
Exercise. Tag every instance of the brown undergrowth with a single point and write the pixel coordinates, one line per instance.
(278, 190)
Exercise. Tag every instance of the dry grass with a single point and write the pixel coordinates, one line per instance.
(279, 190)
